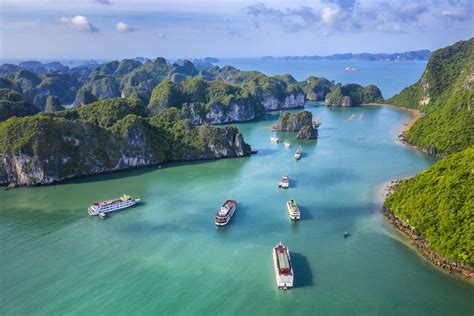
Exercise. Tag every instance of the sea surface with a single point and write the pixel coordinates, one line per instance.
(165, 256)
(390, 76)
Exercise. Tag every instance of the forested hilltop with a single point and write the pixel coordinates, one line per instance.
(438, 203)
(217, 94)
(445, 94)
(104, 136)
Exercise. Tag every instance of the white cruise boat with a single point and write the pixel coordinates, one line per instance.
(293, 210)
(226, 212)
(298, 154)
(287, 145)
(112, 205)
(275, 140)
(283, 267)
(285, 182)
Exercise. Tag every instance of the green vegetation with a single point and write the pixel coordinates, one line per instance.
(108, 135)
(445, 94)
(439, 203)
(353, 94)
(316, 88)
(197, 91)
(14, 104)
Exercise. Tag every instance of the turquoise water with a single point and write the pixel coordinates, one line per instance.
(165, 256)
(390, 76)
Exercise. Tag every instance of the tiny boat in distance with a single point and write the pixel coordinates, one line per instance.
(225, 213)
(284, 182)
(283, 267)
(298, 154)
(112, 205)
(293, 210)
(287, 145)
(275, 140)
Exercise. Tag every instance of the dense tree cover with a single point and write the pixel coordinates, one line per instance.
(197, 91)
(353, 94)
(14, 104)
(445, 94)
(316, 88)
(439, 203)
(111, 134)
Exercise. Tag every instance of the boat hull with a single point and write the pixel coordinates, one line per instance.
(282, 281)
(228, 217)
(95, 211)
(294, 214)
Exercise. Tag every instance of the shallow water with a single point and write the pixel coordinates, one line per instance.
(166, 256)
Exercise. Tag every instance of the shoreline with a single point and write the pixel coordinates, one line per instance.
(420, 244)
(402, 136)
(415, 115)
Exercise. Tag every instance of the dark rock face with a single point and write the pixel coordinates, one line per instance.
(293, 122)
(301, 122)
(53, 104)
(84, 97)
(307, 132)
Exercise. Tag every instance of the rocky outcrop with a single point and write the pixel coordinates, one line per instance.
(307, 132)
(301, 122)
(58, 149)
(352, 95)
(423, 248)
(291, 101)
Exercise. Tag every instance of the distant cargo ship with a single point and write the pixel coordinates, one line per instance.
(226, 212)
(352, 69)
(112, 205)
(282, 266)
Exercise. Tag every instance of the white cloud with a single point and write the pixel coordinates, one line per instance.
(123, 27)
(79, 23)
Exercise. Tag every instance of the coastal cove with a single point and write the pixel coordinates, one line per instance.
(166, 256)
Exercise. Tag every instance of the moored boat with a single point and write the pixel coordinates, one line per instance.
(293, 210)
(112, 205)
(102, 215)
(298, 154)
(274, 139)
(225, 213)
(282, 266)
(284, 182)
(287, 145)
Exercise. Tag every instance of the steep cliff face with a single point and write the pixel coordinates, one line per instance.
(353, 94)
(301, 122)
(44, 149)
(291, 101)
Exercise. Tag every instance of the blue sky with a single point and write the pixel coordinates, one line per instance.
(227, 28)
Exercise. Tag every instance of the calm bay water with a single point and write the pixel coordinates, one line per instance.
(165, 256)
(390, 76)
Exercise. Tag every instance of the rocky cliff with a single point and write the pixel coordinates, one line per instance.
(44, 149)
(301, 122)
(353, 94)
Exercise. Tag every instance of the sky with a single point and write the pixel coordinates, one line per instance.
(114, 29)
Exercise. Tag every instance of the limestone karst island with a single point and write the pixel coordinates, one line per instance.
(236, 157)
